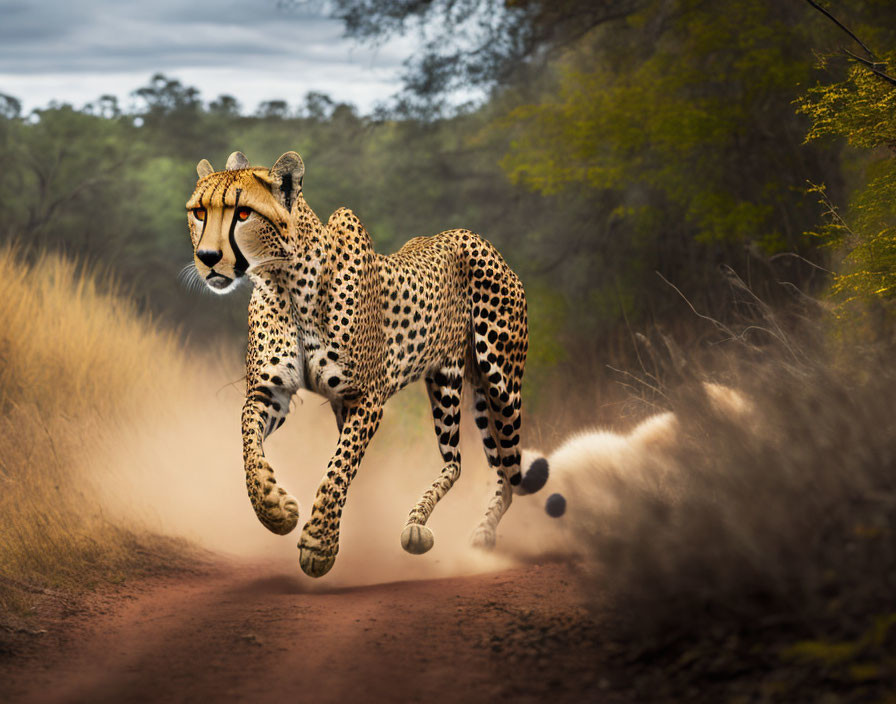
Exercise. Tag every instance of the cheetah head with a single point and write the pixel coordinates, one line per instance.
(240, 218)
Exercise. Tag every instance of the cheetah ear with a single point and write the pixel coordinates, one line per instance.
(236, 161)
(203, 168)
(286, 179)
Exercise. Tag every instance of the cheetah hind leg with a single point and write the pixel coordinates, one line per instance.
(444, 388)
(417, 538)
(484, 535)
(497, 415)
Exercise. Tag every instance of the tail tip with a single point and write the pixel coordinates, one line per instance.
(555, 506)
(536, 476)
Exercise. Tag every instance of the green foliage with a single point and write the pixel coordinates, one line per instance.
(661, 135)
(861, 111)
(65, 175)
(464, 43)
(547, 318)
(697, 116)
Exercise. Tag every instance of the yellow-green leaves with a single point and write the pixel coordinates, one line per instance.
(861, 110)
(695, 114)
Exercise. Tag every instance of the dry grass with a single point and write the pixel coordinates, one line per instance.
(784, 511)
(71, 360)
(758, 551)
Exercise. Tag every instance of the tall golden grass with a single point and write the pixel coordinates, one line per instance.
(73, 357)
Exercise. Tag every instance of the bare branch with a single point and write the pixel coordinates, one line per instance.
(655, 389)
(801, 258)
(843, 27)
(718, 325)
(873, 64)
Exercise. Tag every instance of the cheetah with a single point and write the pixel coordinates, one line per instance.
(329, 314)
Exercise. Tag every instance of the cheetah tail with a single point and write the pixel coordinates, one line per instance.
(535, 470)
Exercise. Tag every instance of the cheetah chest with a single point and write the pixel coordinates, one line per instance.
(325, 373)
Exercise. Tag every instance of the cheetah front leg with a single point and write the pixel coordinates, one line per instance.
(277, 510)
(320, 537)
(273, 375)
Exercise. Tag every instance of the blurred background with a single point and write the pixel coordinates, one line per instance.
(689, 189)
(601, 146)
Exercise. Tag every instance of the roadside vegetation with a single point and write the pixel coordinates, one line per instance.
(75, 361)
(751, 554)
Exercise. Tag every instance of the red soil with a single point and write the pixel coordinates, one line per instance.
(241, 632)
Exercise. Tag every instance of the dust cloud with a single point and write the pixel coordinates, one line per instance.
(177, 470)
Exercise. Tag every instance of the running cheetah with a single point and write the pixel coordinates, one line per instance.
(329, 314)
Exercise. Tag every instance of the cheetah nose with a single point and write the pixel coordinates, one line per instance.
(209, 257)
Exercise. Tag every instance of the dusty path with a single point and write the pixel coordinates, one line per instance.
(241, 633)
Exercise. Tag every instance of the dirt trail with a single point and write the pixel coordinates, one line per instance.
(245, 632)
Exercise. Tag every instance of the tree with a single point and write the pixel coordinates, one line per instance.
(10, 108)
(105, 106)
(317, 106)
(694, 118)
(68, 172)
(174, 115)
(473, 42)
(273, 109)
(861, 110)
(165, 96)
(225, 106)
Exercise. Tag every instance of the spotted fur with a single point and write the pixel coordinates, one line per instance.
(329, 314)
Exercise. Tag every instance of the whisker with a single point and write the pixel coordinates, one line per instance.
(189, 278)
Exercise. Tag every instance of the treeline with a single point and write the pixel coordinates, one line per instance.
(109, 186)
(667, 141)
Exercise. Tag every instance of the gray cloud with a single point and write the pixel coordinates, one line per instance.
(43, 41)
(24, 23)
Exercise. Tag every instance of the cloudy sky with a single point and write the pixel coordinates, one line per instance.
(76, 50)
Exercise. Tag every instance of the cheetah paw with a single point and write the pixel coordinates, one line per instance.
(280, 512)
(416, 539)
(315, 559)
(483, 538)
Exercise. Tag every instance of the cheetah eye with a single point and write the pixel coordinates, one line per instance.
(243, 213)
(199, 213)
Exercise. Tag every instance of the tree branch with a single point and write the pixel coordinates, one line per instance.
(843, 27)
(872, 64)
